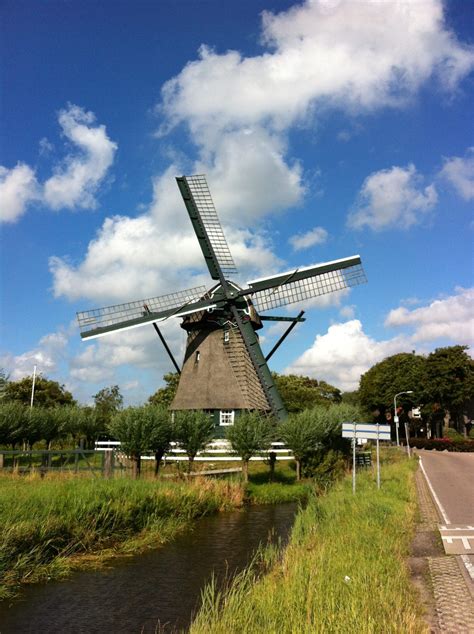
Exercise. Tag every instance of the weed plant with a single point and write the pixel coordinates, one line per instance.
(343, 571)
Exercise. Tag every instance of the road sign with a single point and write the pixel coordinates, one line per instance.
(366, 430)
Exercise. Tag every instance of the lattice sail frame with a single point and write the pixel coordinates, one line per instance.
(115, 315)
(309, 288)
(210, 220)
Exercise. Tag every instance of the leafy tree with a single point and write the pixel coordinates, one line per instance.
(134, 428)
(13, 416)
(193, 430)
(47, 393)
(250, 434)
(108, 401)
(449, 379)
(164, 395)
(162, 432)
(300, 434)
(4, 379)
(301, 392)
(327, 423)
(398, 373)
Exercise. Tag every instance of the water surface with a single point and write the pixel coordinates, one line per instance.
(159, 587)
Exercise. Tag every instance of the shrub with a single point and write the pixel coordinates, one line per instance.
(442, 444)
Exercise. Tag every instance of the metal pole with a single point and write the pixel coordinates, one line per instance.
(354, 461)
(395, 418)
(407, 436)
(378, 458)
(33, 387)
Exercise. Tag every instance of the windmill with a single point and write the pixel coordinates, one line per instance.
(224, 368)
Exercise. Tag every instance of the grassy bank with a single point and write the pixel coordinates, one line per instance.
(343, 570)
(50, 526)
(45, 523)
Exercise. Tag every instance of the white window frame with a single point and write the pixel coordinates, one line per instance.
(226, 417)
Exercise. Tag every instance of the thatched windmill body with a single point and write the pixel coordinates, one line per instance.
(224, 369)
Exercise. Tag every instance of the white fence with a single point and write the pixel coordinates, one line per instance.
(216, 451)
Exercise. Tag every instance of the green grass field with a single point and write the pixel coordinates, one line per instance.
(343, 571)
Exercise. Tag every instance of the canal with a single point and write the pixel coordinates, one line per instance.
(156, 591)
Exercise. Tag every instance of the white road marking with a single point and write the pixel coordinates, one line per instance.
(469, 566)
(436, 499)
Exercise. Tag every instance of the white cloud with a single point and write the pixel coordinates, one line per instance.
(140, 348)
(351, 55)
(460, 173)
(343, 354)
(451, 318)
(76, 181)
(347, 312)
(155, 253)
(318, 235)
(392, 198)
(18, 188)
(45, 356)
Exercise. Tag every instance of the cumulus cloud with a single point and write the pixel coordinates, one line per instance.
(344, 353)
(140, 347)
(459, 172)
(18, 188)
(155, 253)
(391, 198)
(46, 356)
(75, 181)
(449, 318)
(350, 55)
(318, 235)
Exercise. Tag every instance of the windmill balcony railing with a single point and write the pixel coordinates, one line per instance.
(217, 450)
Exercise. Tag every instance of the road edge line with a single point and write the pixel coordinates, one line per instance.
(435, 497)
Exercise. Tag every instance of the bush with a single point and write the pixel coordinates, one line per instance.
(442, 444)
(324, 469)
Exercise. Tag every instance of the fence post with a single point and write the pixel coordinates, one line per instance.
(1, 461)
(108, 463)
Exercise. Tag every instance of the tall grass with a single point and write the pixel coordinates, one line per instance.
(343, 570)
(44, 522)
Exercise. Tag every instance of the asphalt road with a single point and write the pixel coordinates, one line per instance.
(452, 478)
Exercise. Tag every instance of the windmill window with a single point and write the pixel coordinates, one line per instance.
(226, 336)
(226, 417)
(198, 356)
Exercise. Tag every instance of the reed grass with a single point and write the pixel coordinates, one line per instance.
(44, 523)
(343, 571)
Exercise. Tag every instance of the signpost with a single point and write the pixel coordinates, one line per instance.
(367, 432)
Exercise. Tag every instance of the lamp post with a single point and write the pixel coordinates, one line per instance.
(396, 418)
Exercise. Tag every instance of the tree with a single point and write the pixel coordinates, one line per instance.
(134, 428)
(398, 373)
(108, 401)
(47, 393)
(12, 421)
(164, 395)
(162, 432)
(250, 434)
(4, 380)
(449, 379)
(301, 392)
(300, 434)
(193, 430)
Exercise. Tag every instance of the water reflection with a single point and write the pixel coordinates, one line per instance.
(160, 586)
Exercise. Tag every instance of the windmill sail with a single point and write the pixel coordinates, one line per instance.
(203, 215)
(305, 283)
(101, 321)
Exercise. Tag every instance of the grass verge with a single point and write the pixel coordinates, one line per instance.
(343, 570)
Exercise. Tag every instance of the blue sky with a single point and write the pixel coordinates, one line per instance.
(325, 128)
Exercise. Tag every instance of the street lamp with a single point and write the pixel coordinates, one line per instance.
(396, 419)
